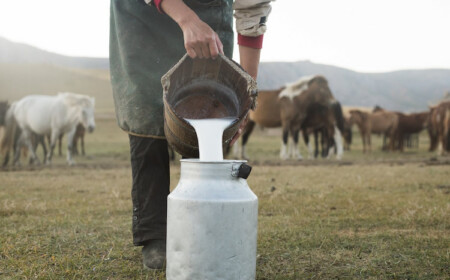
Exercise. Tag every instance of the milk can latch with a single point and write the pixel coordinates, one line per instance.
(241, 170)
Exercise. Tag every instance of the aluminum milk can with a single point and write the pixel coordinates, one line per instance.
(212, 219)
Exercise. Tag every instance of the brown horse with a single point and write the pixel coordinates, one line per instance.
(440, 126)
(305, 105)
(267, 114)
(3, 108)
(309, 104)
(410, 124)
(380, 122)
(80, 131)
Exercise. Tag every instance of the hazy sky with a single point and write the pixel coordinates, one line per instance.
(362, 35)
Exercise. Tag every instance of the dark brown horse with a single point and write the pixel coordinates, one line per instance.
(440, 126)
(409, 124)
(327, 141)
(304, 105)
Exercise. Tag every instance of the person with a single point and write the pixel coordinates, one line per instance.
(146, 39)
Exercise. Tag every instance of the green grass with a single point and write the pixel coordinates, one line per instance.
(377, 216)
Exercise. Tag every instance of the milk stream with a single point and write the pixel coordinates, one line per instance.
(209, 136)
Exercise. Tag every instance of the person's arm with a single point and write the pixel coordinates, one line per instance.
(199, 39)
(249, 60)
(251, 17)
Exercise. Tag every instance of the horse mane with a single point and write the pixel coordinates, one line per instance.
(74, 99)
(318, 79)
(296, 88)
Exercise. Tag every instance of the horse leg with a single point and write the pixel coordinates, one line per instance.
(384, 148)
(44, 146)
(248, 130)
(18, 143)
(38, 139)
(323, 143)
(59, 144)
(283, 150)
(75, 144)
(363, 138)
(296, 152)
(391, 135)
(6, 159)
(440, 144)
(350, 138)
(16, 135)
(315, 153)
(331, 142)
(70, 136)
(307, 143)
(416, 140)
(35, 143)
(53, 139)
(367, 142)
(433, 137)
(28, 135)
(290, 145)
(338, 143)
(82, 146)
(347, 136)
(328, 142)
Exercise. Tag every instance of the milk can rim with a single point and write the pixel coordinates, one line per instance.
(225, 161)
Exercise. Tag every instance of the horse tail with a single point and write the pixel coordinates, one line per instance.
(9, 134)
(339, 116)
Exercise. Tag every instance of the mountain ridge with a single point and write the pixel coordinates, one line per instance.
(404, 90)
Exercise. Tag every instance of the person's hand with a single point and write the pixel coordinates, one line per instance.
(200, 40)
(239, 131)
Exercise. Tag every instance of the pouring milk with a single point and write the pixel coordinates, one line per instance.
(209, 136)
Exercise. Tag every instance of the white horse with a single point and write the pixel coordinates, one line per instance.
(48, 115)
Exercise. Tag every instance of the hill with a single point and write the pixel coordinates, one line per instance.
(11, 52)
(19, 80)
(409, 90)
(27, 70)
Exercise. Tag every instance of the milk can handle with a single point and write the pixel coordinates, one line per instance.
(241, 171)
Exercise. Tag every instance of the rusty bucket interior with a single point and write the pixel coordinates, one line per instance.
(201, 89)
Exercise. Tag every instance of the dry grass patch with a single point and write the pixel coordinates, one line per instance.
(369, 219)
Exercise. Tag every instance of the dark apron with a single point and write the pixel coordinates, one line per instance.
(144, 45)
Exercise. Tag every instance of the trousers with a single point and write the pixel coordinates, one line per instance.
(150, 188)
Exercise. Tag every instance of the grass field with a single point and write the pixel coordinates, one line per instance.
(380, 216)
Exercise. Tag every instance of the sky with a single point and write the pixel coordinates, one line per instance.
(361, 35)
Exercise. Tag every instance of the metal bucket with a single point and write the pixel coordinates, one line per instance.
(200, 89)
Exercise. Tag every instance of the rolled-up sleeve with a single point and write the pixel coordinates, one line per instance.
(156, 3)
(251, 16)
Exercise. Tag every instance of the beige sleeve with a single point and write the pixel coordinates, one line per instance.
(251, 16)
